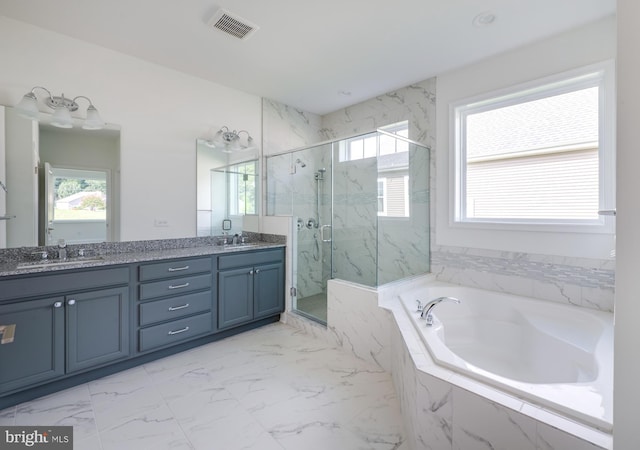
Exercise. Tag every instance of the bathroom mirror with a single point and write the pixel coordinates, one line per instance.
(58, 183)
(228, 190)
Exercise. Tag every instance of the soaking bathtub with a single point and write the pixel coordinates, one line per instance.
(555, 356)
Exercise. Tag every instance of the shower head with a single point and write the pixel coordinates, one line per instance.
(300, 163)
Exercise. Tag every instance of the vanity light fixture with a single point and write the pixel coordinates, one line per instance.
(231, 141)
(62, 106)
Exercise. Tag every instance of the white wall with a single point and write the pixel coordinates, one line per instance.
(161, 113)
(567, 51)
(3, 179)
(626, 414)
(21, 152)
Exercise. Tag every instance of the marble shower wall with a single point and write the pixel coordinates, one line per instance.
(279, 189)
(354, 220)
(415, 103)
(403, 245)
(286, 128)
(404, 242)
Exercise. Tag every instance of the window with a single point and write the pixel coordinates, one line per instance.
(382, 196)
(366, 146)
(242, 188)
(393, 171)
(537, 155)
(77, 195)
(358, 148)
(390, 145)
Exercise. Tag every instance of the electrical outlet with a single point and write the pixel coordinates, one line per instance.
(160, 223)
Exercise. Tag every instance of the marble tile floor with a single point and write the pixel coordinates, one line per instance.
(273, 388)
(314, 305)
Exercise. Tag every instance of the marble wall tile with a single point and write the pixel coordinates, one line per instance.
(355, 221)
(360, 326)
(404, 242)
(278, 187)
(434, 413)
(479, 424)
(404, 379)
(286, 128)
(550, 438)
(415, 103)
(579, 282)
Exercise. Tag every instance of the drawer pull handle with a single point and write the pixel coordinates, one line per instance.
(175, 308)
(251, 272)
(178, 286)
(171, 333)
(71, 302)
(57, 305)
(257, 270)
(177, 269)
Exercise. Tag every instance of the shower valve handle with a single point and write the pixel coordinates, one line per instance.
(322, 230)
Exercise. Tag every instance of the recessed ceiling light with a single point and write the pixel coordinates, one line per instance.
(484, 19)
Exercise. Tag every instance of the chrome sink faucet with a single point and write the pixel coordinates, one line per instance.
(426, 310)
(62, 249)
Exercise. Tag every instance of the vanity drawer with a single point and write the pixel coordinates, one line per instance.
(61, 282)
(175, 332)
(242, 259)
(175, 286)
(174, 307)
(174, 268)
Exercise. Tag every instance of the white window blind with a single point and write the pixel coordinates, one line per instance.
(533, 156)
(551, 186)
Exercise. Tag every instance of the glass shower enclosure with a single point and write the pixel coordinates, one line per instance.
(360, 210)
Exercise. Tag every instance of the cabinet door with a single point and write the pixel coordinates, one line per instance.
(268, 289)
(97, 327)
(37, 351)
(235, 297)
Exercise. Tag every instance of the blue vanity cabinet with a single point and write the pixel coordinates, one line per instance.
(235, 296)
(36, 352)
(74, 325)
(176, 302)
(97, 330)
(250, 286)
(64, 323)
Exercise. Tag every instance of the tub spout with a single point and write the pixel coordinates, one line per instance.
(426, 311)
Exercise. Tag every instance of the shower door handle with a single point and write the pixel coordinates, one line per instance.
(322, 230)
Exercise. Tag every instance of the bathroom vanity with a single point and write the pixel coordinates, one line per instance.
(63, 325)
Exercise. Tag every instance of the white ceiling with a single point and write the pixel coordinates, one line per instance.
(307, 53)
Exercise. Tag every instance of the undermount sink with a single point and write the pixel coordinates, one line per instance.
(56, 263)
(242, 245)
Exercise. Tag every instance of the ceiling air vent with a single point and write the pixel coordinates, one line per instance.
(232, 24)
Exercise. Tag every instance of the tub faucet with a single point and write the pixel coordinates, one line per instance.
(426, 310)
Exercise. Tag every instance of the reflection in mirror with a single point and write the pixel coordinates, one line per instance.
(61, 183)
(76, 205)
(227, 190)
